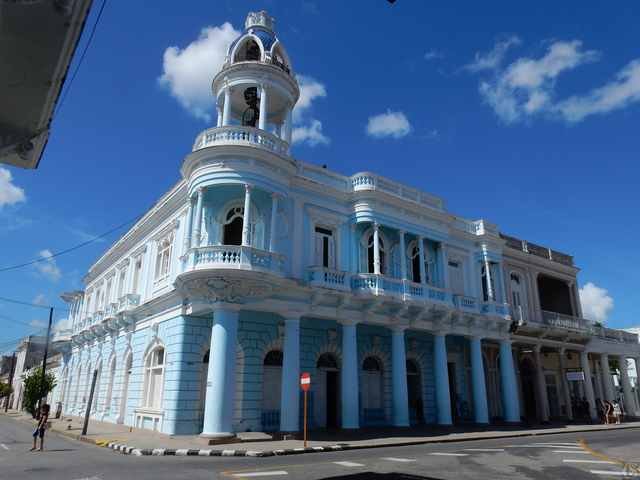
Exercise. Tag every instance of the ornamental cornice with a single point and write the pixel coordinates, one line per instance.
(166, 230)
(222, 289)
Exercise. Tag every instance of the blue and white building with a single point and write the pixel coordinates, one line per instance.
(257, 266)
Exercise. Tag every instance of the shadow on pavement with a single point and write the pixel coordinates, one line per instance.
(380, 476)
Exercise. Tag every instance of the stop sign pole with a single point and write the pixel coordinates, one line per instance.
(305, 384)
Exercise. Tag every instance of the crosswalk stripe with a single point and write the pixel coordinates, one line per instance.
(572, 451)
(617, 473)
(395, 459)
(4, 446)
(576, 460)
(484, 449)
(555, 443)
(260, 474)
(450, 454)
(349, 464)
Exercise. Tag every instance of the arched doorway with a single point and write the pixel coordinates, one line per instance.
(528, 380)
(271, 390)
(126, 374)
(232, 234)
(414, 390)
(327, 393)
(371, 393)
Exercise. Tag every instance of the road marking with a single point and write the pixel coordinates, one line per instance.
(572, 451)
(484, 449)
(575, 460)
(259, 474)
(394, 459)
(617, 473)
(349, 464)
(4, 446)
(450, 454)
(556, 443)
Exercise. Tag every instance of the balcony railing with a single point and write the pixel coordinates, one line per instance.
(467, 304)
(240, 135)
(566, 322)
(370, 181)
(128, 302)
(329, 278)
(537, 250)
(237, 257)
(615, 335)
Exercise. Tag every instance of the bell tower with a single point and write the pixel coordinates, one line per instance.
(256, 88)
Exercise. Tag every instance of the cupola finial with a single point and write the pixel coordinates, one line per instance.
(259, 19)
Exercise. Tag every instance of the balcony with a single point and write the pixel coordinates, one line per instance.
(371, 181)
(566, 322)
(237, 257)
(369, 284)
(614, 335)
(240, 135)
(128, 302)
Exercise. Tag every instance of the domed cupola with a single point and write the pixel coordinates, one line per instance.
(255, 92)
(259, 43)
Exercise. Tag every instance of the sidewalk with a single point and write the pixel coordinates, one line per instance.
(145, 442)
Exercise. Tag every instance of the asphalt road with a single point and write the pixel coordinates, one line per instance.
(541, 457)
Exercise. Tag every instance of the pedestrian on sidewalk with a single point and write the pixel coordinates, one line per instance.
(41, 427)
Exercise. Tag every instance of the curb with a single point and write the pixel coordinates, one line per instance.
(184, 452)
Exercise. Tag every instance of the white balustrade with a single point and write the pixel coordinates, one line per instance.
(240, 135)
(238, 257)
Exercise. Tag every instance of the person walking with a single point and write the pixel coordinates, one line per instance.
(41, 427)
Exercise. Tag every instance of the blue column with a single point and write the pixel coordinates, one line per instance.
(510, 397)
(289, 404)
(399, 379)
(443, 400)
(221, 376)
(349, 385)
(480, 407)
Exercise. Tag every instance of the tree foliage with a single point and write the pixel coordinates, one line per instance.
(5, 390)
(35, 388)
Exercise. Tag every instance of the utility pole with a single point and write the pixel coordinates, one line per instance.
(90, 402)
(13, 369)
(44, 359)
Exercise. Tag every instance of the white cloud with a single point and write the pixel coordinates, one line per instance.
(389, 124)
(188, 72)
(526, 87)
(492, 59)
(38, 323)
(596, 302)
(9, 193)
(618, 93)
(433, 55)
(48, 267)
(40, 299)
(307, 129)
(310, 134)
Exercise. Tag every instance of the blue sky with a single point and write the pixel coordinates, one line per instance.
(524, 115)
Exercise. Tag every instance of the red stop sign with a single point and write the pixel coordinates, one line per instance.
(305, 381)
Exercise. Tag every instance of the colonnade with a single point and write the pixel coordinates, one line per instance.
(193, 232)
(284, 130)
(221, 380)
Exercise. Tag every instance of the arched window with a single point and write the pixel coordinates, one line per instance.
(248, 51)
(279, 58)
(154, 378)
(368, 246)
(233, 226)
(327, 360)
(271, 390)
(413, 252)
(112, 376)
(371, 384)
(124, 392)
(485, 285)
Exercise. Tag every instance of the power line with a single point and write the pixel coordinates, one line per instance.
(29, 304)
(84, 52)
(71, 249)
